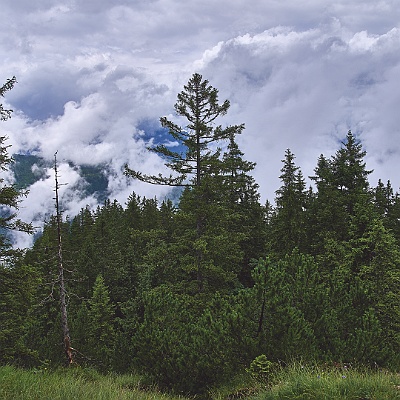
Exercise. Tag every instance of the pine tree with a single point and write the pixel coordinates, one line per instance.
(101, 332)
(342, 207)
(18, 295)
(17, 282)
(349, 170)
(198, 104)
(290, 301)
(198, 161)
(239, 191)
(45, 335)
(10, 196)
(5, 113)
(387, 205)
(375, 259)
(287, 224)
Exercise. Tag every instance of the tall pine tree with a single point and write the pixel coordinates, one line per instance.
(287, 223)
(197, 162)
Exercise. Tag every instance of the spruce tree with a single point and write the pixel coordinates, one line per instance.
(387, 205)
(197, 162)
(287, 224)
(101, 332)
(239, 192)
(17, 281)
(10, 196)
(198, 104)
(325, 216)
(18, 294)
(349, 170)
(377, 257)
(342, 207)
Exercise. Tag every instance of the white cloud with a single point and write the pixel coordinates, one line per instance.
(94, 75)
(304, 90)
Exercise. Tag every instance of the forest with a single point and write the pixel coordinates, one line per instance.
(190, 293)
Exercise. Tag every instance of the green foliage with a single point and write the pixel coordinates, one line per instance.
(101, 333)
(10, 195)
(170, 289)
(338, 303)
(342, 208)
(187, 343)
(199, 167)
(18, 282)
(18, 288)
(261, 369)
(5, 113)
(198, 105)
(287, 223)
(288, 291)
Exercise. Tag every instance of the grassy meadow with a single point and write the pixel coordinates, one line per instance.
(73, 384)
(340, 382)
(292, 382)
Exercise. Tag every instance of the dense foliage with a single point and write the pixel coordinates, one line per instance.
(191, 293)
(17, 281)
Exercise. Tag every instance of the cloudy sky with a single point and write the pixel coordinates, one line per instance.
(94, 76)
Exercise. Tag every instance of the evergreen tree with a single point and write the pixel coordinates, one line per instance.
(10, 196)
(17, 282)
(239, 192)
(387, 205)
(349, 171)
(186, 347)
(101, 332)
(5, 113)
(80, 228)
(290, 302)
(240, 187)
(325, 217)
(375, 259)
(287, 224)
(18, 294)
(104, 252)
(198, 105)
(341, 208)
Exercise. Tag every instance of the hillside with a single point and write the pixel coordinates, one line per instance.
(28, 169)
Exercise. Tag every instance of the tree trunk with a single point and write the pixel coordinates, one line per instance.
(63, 301)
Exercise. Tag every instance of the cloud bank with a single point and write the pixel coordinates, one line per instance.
(95, 76)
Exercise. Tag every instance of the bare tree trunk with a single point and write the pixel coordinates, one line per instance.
(63, 302)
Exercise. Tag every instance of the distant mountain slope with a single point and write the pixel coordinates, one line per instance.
(29, 169)
(24, 171)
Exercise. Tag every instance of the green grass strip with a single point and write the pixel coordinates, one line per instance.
(71, 384)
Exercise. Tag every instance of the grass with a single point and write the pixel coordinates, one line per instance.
(292, 382)
(332, 383)
(74, 384)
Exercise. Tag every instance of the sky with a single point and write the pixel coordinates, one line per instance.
(95, 76)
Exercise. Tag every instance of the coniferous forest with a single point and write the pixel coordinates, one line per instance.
(190, 293)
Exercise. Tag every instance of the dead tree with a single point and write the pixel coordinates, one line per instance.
(63, 294)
